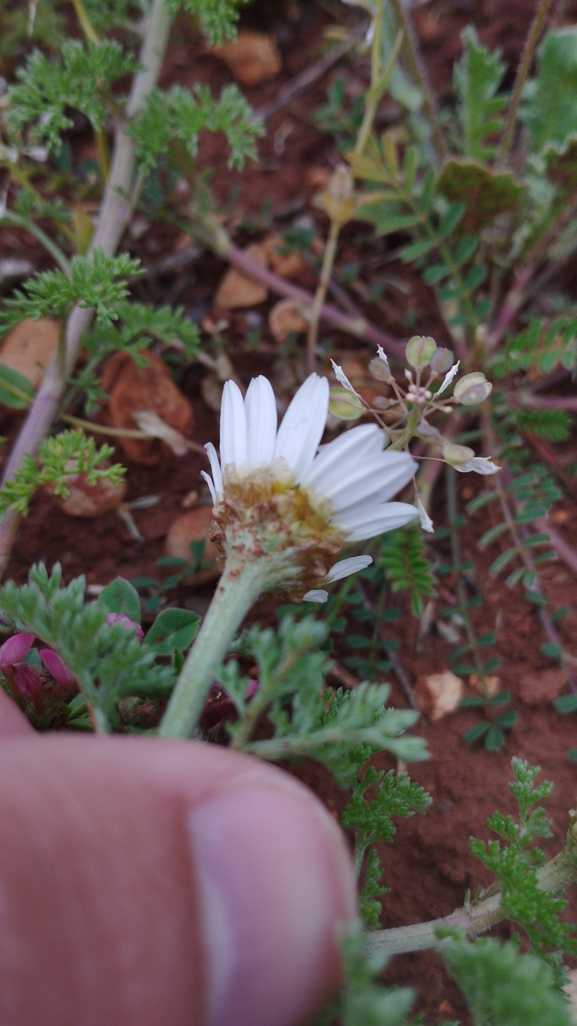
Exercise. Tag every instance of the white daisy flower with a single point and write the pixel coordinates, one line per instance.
(319, 499)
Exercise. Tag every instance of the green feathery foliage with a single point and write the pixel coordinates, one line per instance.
(107, 660)
(178, 115)
(502, 986)
(329, 726)
(217, 17)
(82, 80)
(372, 820)
(92, 283)
(362, 1002)
(70, 452)
(515, 867)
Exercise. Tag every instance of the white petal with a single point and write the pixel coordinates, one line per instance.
(210, 484)
(376, 520)
(448, 377)
(480, 464)
(233, 441)
(364, 441)
(346, 567)
(342, 378)
(215, 467)
(383, 356)
(303, 425)
(316, 595)
(370, 481)
(261, 421)
(426, 522)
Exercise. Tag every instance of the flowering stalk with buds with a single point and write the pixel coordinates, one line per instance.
(282, 513)
(405, 415)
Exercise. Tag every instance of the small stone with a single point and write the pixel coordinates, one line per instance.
(193, 527)
(86, 500)
(29, 347)
(236, 290)
(288, 265)
(541, 687)
(253, 57)
(133, 389)
(438, 694)
(286, 318)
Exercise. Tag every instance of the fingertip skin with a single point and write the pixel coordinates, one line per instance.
(102, 921)
(13, 722)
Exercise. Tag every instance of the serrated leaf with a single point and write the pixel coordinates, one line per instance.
(551, 112)
(173, 628)
(484, 193)
(121, 597)
(477, 78)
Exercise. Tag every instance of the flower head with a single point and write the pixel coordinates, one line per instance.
(279, 500)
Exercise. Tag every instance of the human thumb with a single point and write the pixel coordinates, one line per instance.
(163, 883)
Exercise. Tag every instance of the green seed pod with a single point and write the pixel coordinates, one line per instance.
(472, 389)
(441, 360)
(345, 405)
(456, 455)
(419, 351)
(379, 370)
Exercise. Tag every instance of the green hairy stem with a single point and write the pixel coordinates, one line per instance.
(556, 875)
(238, 590)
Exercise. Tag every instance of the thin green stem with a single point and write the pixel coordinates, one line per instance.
(85, 23)
(102, 429)
(238, 590)
(320, 294)
(49, 245)
(531, 41)
(379, 80)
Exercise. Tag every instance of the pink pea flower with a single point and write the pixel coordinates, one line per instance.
(57, 669)
(27, 683)
(13, 651)
(23, 678)
(126, 622)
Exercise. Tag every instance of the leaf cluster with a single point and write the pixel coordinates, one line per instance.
(96, 283)
(170, 123)
(217, 17)
(340, 729)
(362, 1002)
(372, 820)
(108, 661)
(59, 458)
(515, 867)
(407, 568)
(502, 986)
(81, 80)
